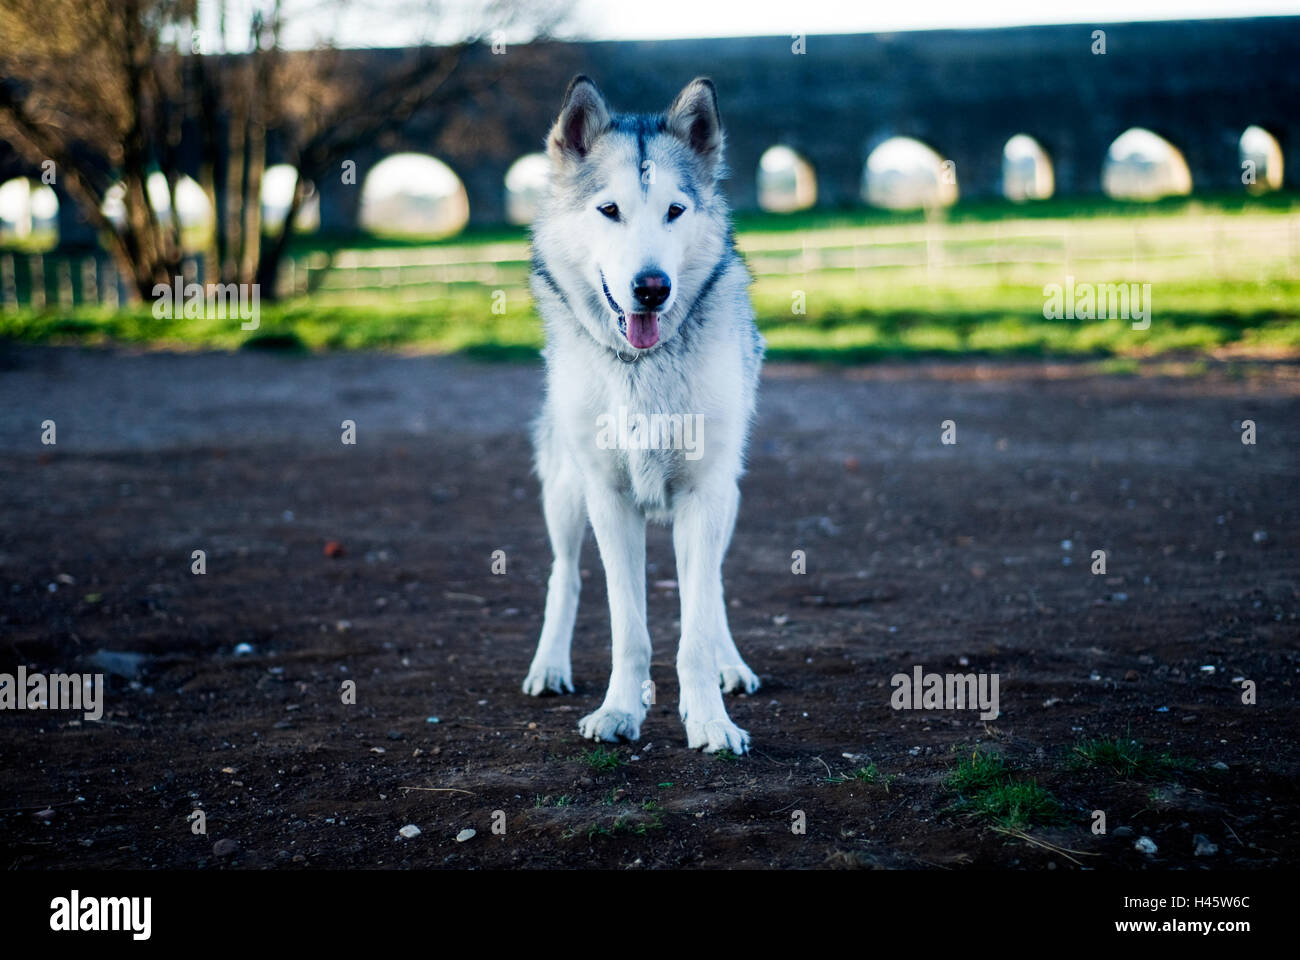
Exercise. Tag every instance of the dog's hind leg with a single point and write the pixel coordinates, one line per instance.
(566, 522)
(733, 673)
(620, 534)
(702, 527)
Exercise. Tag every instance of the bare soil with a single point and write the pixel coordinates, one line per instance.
(971, 557)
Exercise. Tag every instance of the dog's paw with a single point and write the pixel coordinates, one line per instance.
(541, 678)
(610, 723)
(714, 735)
(737, 676)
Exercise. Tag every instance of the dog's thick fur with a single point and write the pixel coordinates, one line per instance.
(629, 196)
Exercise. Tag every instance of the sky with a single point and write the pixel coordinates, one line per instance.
(405, 22)
(664, 19)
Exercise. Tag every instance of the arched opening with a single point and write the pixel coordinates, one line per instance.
(1261, 160)
(278, 184)
(192, 207)
(525, 183)
(413, 194)
(1026, 170)
(905, 174)
(786, 181)
(29, 214)
(1141, 165)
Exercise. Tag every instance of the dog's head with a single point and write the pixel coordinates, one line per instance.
(635, 208)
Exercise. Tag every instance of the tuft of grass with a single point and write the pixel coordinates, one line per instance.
(725, 754)
(603, 759)
(869, 774)
(563, 800)
(1128, 758)
(623, 825)
(986, 786)
(638, 827)
(612, 797)
(1018, 804)
(983, 771)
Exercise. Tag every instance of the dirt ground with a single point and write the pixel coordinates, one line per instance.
(971, 557)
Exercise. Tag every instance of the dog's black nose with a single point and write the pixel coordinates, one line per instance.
(651, 288)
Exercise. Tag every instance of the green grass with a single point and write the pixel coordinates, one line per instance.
(564, 800)
(1236, 295)
(38, 241)
(846, 331)
(642, 827)
(967, 211)
(602, 759)
(1128, 759)
(623, 824)
(473, 235)
(869, 774)
(987, 787)
(994, 210)
(981, 772)
(1020, 804)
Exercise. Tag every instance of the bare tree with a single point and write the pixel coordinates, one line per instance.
(82, 84)
(110, 90)
(334, 101)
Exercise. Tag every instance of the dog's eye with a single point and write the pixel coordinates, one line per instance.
(610, 210)
(675, 211)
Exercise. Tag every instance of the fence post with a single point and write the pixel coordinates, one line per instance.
(108, 284)
(8, 282)
(67, 296)
(89, 285)
(36, 273)
(1295, 247)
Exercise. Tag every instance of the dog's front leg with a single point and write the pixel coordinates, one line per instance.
(620, 534)
(702, 528)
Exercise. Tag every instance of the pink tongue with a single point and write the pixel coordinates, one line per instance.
(643, 329)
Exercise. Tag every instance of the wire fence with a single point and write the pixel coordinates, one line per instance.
(1249, 248)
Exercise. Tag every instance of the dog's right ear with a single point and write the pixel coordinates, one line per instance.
(583, 117)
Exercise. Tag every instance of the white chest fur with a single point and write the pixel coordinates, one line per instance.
(652, 428)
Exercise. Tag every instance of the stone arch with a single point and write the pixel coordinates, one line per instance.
(1142, 165)
(192, 207)
(786, 181)
(413, 194)
(903, 173)
(525, 183)
(278, 184)
(29, 213)
(1261, 160)
(1027, 172)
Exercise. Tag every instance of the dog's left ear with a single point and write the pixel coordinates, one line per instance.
(694, 118)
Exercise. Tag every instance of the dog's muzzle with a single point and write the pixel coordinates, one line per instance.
(641, 329)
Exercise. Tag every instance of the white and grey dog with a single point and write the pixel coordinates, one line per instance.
(652, 363)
